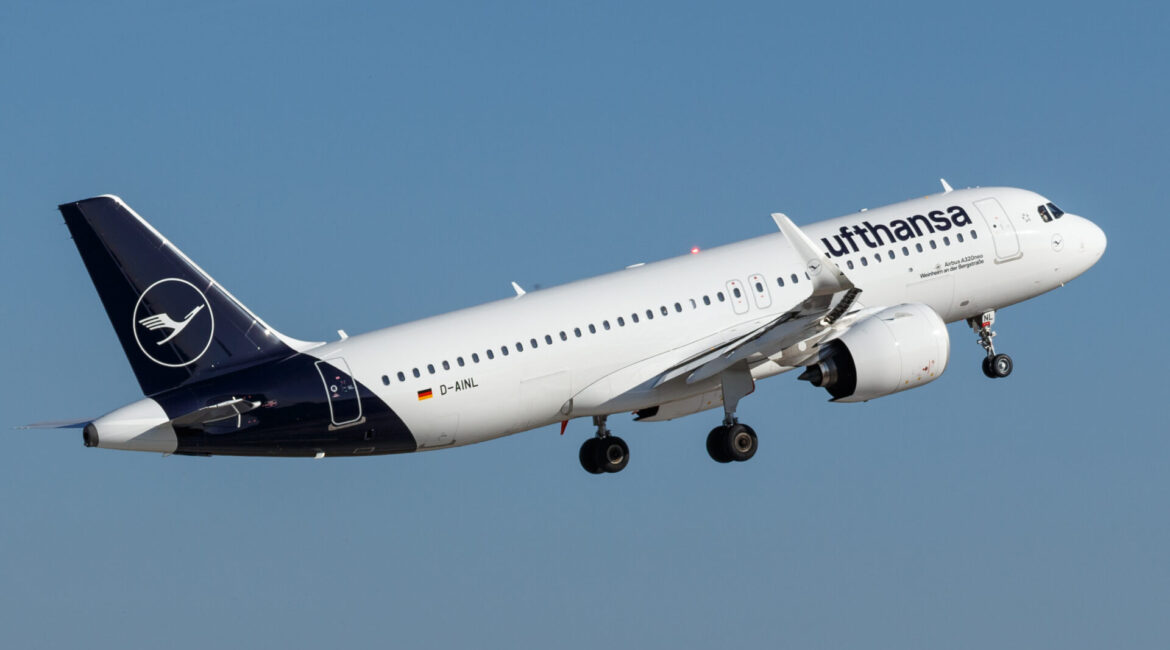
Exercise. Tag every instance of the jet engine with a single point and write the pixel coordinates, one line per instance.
(896, 349)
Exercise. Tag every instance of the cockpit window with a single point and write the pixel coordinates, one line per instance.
(1044, 215)
(1056, 212)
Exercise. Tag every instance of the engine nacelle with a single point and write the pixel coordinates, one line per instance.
(896, 349)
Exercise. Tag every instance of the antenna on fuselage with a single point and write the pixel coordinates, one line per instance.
(947, 189)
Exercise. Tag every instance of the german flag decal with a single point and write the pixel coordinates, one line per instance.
(425, 394)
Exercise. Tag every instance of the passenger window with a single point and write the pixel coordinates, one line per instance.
(577, 332)
(621, 322)
(864, 261)
(417, 374)
(794, 279)
(720, 296)
(634, 317)
(547, 339)
(592, 329)
(431, 368)
(564, 337)
(974, 234)
(849, 263)
(532, 343)
(490, 354)
(959, 236)
(918, 247)
(706, 300)
(677, 307)
(446, 366)
(605, 324)
(475, 357)
(946, 241)
(649, 315)
(1044, 216)
(877, 257)
(737, 292)
(504, 350)
(519, 346)
(401, 376)
(694, 305)
(905, 252)
(779, 282)
(890, 253)
(459, 360)
(759, 287)
(933, 245)
(663, 308)
(386, 379)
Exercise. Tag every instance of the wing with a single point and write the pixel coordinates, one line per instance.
(792, 337)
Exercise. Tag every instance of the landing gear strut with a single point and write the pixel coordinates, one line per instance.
(733, 441)
(995, 365)
(604, 453)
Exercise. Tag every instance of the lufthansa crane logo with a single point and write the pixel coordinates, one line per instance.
(173, 324)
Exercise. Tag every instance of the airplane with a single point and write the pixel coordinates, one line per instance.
(858, 304)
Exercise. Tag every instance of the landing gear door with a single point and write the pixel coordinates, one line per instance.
(1003, 232)
(341, 392)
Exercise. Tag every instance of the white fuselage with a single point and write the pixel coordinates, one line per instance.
(605, 347)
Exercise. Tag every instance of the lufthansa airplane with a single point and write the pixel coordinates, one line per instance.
(857, 304)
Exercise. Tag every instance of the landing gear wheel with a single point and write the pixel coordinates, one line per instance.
(717, 445)
(589, 455)
(1001, 365)
(612, 454)
(987, 368)
(742, 442)
(736, 442)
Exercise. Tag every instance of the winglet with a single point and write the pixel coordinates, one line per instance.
(826, 277)
(947, 189)
(517, 289)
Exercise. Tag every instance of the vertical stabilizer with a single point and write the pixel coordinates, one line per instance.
(175, 323)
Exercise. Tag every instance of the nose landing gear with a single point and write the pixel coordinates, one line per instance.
(604, 453)
(995, 366)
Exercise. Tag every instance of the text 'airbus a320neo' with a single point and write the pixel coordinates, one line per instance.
(857, 304)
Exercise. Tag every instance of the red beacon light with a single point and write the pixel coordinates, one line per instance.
(694, 250)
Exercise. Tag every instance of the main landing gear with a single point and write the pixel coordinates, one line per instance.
(604, 453)
(733, 441)
(995, 365)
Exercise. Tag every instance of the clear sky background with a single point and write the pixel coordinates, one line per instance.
(355, 166)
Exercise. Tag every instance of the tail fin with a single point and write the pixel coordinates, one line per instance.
(176, 324)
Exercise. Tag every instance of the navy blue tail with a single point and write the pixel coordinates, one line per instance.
(176, 324)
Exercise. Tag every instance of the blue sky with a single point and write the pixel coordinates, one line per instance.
(362, 165)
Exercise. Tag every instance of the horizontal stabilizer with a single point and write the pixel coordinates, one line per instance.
(57, 424)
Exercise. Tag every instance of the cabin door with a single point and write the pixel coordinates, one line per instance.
(1003, 232)
(341, 392)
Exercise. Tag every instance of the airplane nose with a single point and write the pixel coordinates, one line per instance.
(1094, 240)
